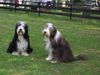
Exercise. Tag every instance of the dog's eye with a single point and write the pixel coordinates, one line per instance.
(51, 28)
(18, 25)
(46, 26)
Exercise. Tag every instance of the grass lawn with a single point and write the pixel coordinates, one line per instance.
(83, 35)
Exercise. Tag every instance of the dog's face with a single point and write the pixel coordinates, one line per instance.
(21, 28)
(49, 30)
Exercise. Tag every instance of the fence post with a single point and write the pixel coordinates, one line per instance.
(15, 6)
(70, 11)
(39, 11)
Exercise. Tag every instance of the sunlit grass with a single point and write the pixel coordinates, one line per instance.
(82, 34)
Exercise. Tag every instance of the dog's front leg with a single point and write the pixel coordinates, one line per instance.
(24, 54)
(15, 53)
(56, 56)
(50, 55)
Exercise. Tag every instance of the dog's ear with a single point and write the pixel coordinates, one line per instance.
(26, 28)
(53, 32)
(12, 46)
(26, 32)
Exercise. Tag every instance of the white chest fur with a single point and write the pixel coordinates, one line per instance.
(22, 44)
(47, 44)
(49, 49)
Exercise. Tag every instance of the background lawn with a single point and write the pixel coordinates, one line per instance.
(83, 35)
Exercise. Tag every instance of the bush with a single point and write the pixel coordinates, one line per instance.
(77, 0)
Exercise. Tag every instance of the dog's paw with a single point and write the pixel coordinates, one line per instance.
(15, 53)
(48, 58)
(54, 61)
(24, 54)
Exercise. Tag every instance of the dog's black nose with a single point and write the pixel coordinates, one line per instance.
(45, 32)
(20, 29)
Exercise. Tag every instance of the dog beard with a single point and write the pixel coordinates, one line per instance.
(20, 33)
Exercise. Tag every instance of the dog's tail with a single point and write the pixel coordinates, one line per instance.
(80, 57)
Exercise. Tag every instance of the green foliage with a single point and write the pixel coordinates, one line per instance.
(77, 0)
(82, 34)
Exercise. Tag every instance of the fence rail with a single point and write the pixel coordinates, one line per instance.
(71, 11)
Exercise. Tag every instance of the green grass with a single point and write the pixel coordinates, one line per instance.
(83, 35)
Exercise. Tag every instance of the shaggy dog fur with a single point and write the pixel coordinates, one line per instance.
(20, 43)
(57, 47)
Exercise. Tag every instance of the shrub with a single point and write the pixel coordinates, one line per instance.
(77, 0)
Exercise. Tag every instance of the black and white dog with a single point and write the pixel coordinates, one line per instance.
(57, 47)
(20, 43)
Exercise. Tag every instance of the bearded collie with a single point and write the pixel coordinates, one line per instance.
(20, 45)
(57, 47)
